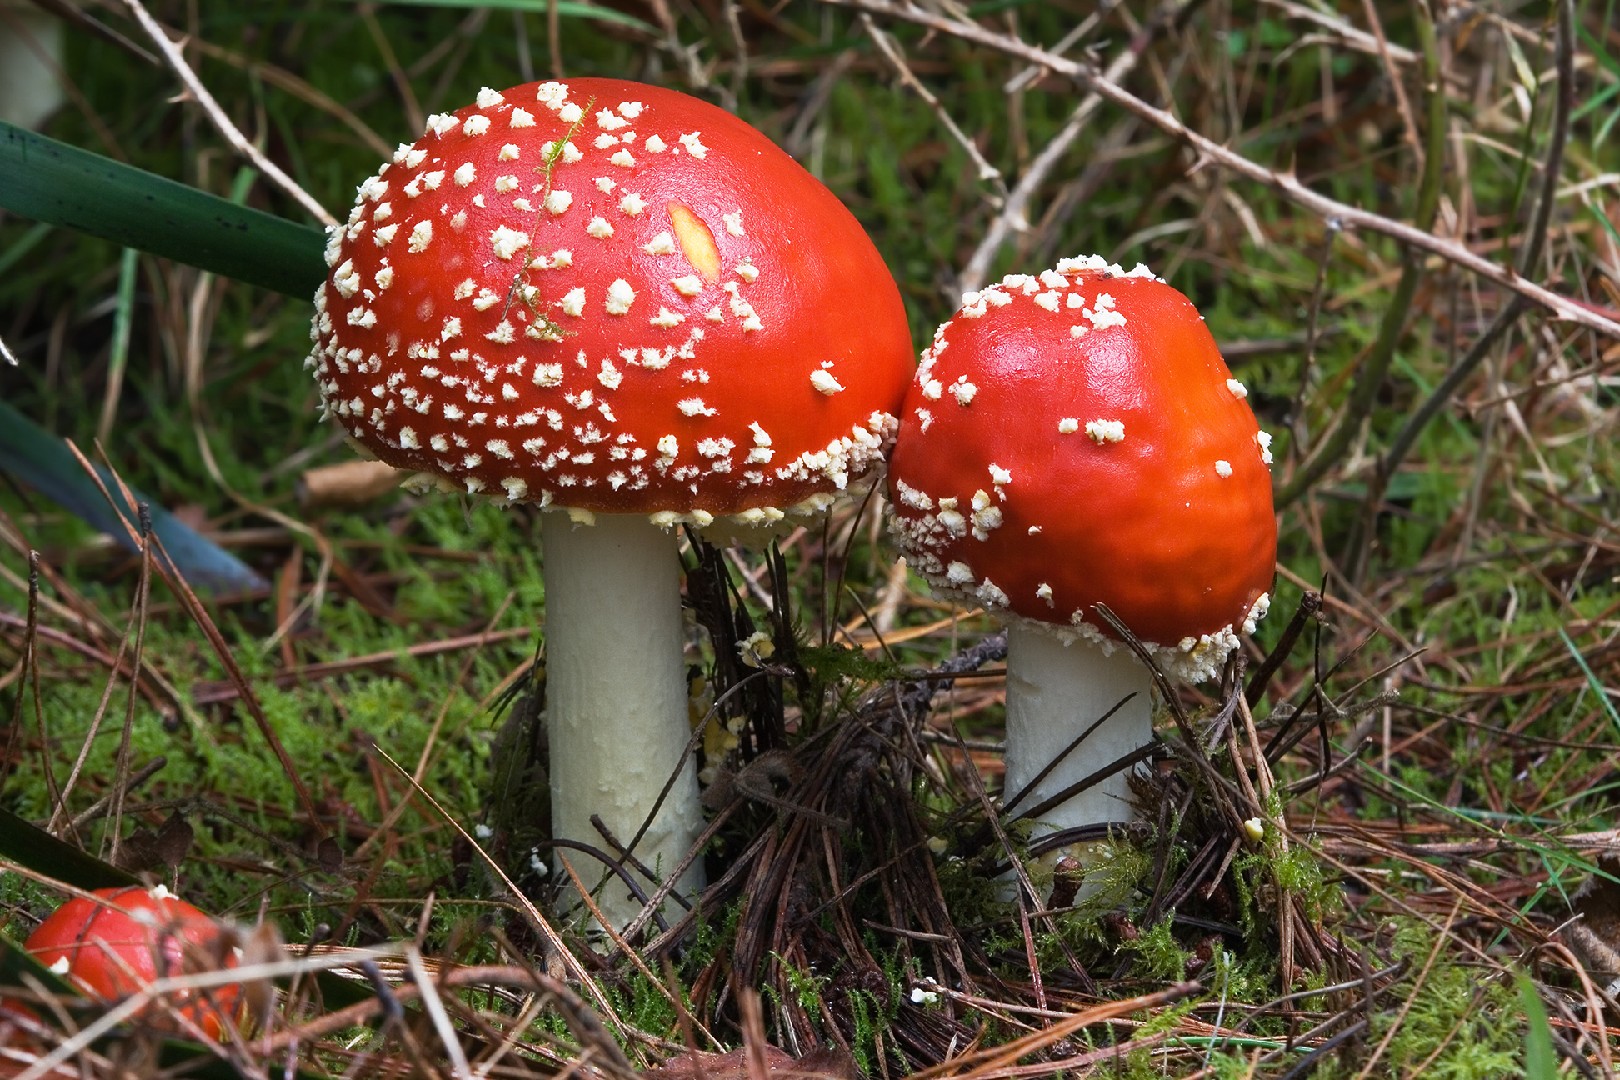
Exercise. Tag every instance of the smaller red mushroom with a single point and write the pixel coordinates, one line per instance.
(1074, 440)
(118, 941)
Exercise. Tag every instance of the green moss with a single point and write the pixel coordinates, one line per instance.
(1158, 956)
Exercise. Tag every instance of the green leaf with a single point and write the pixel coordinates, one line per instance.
(28, 845)
(53, 182)
(44, 462)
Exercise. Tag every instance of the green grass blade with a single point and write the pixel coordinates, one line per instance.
(53, 182)
(1591, 679)
(17, 251)
(41, 460)
(118, 350)
(1540, 1063)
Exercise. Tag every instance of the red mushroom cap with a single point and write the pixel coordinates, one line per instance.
(110, 948)
(1074, 439)
(613, 297)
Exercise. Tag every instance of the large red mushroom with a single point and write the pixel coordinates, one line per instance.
(631, 308)
(1074, 440)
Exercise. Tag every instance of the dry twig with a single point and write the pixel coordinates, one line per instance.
(233, 135)
(1208, 150)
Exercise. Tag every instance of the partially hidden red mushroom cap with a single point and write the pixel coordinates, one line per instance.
(1075, 438)
(124, 939)
(615, 297)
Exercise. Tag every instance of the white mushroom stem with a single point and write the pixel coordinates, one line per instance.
(616, 715)
(30, 64)
(1055, 691)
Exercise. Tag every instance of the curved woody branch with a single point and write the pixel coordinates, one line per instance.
(1213, 153)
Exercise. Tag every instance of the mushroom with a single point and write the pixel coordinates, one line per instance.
(631, 308)
(1074, 440)
(119, 940)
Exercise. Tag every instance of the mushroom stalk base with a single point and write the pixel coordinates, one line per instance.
(1054, 692)
(616, 716)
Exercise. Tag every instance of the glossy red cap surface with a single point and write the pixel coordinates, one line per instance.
(1075, 438)
(614, 297)
(111, 947)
